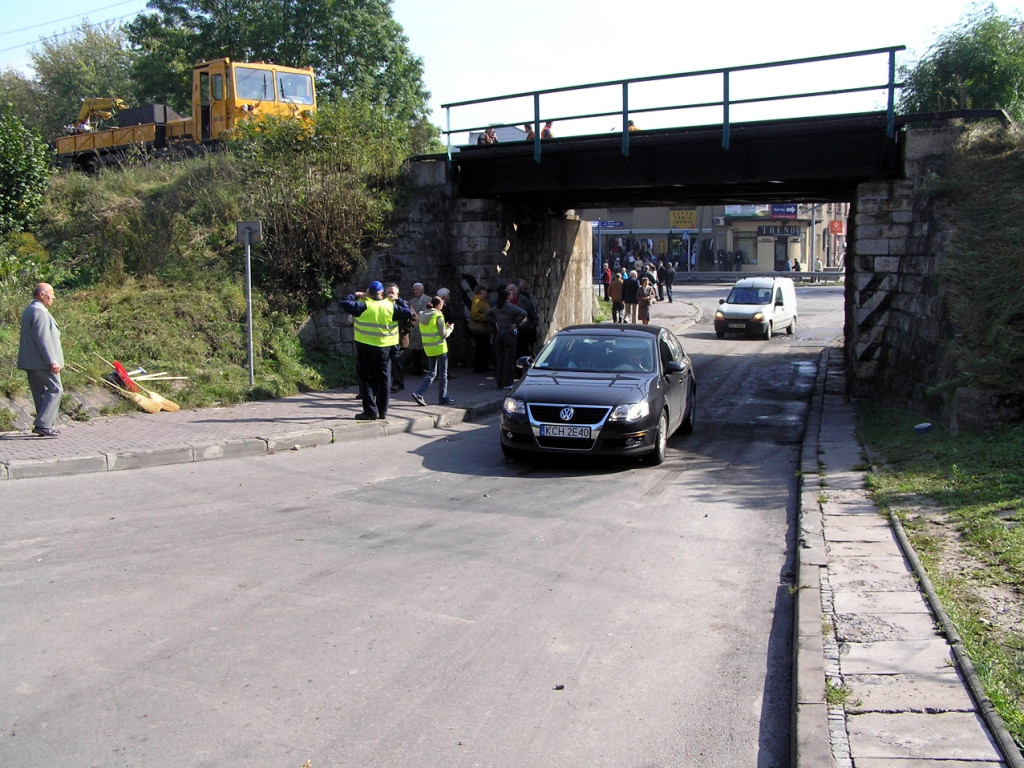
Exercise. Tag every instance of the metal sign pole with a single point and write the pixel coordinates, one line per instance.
(248, 303)
(248, 232)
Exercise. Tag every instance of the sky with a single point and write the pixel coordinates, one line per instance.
(471, 49)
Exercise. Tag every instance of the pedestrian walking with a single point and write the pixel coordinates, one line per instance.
(41, 357)
(434, 332)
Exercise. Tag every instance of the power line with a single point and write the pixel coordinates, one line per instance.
(68, 18)
(64, 34)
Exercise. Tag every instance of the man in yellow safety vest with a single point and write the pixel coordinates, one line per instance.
(375, 326)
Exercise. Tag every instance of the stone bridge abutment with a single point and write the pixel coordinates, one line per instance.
(443, 240)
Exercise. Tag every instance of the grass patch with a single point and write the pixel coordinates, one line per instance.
(196, 330)
(967, 533)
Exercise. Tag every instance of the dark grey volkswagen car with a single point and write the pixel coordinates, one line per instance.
(603, 389)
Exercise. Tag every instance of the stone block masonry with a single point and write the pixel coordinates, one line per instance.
(897, 319)
(443, 240)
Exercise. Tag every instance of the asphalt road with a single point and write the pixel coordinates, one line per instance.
(417, 601)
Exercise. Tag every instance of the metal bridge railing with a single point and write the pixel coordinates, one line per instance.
(726, 103)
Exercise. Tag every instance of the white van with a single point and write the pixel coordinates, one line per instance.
(758, 306)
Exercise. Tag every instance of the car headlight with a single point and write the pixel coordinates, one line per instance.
(631, 411)
(719, 315)
(513, 405)
(758, 317)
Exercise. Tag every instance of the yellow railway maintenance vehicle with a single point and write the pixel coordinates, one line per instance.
(223, 93)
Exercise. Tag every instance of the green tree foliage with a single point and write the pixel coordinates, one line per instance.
(24, 170)
(979, 64)
(25, 97)
(355, 47)
(94, 61)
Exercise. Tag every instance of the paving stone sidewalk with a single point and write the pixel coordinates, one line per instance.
(862, 608)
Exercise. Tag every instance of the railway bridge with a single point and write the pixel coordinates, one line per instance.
(489, 214)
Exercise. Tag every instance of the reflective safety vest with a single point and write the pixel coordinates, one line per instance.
(376, 326)
(432, 333)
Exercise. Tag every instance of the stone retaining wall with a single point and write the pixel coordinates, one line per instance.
(898, 327)
(443, 240)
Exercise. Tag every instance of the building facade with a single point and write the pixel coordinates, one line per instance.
(732, 238)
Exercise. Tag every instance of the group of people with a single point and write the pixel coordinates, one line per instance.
(381, 320)
(502, 333)
(632, 292)
(490, 137)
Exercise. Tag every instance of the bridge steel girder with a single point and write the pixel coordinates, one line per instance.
(804, 160)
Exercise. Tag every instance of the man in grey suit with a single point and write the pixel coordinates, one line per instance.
(41, 357)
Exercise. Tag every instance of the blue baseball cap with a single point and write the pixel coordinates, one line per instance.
(375, 287)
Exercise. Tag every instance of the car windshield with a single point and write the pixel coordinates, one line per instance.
(597, 354)
(749, 296)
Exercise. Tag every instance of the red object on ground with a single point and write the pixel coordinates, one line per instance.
(122, 374)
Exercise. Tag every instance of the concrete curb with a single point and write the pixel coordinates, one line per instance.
(811, 745)
(261, 445)
(1010, 752)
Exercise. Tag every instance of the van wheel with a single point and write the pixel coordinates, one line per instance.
(768, 331)
(792, 327)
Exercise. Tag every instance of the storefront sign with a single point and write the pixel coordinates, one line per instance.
(747, 210)
(685, 218)
(784, 211)
(778, 231)
(837, 227)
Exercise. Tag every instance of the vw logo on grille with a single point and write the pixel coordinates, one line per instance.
(566, 414)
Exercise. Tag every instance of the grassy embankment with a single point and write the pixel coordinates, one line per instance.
(147, 269)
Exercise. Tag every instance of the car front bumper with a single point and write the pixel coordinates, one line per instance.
(609, 439)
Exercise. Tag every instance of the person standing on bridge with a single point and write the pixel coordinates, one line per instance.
(545, 132)
(487, 137)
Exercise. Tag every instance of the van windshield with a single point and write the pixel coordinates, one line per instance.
(749, 296)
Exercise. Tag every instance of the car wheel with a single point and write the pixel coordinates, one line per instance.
(690, 418)
(657, 456)
(720, 334)
(768, 331)
(792, 327)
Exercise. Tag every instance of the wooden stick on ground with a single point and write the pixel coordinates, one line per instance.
(145, 403)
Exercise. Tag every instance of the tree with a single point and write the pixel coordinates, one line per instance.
(355, 47)
(25, 97)
(92, 61)
(24, 171)
(978, 64)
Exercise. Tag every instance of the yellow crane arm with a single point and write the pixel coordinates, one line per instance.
(101, 109)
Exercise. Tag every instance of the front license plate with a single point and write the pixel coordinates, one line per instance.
(561, 430)
(737, 325)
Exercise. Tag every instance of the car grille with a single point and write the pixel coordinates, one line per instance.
(582, 414)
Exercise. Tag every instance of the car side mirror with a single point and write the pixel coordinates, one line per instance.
(674, 366)
(721, 301)
(524, 362)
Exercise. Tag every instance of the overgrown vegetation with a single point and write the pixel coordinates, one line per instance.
(983, 186)
(976, 64)
(970, 488)
(147, 268)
